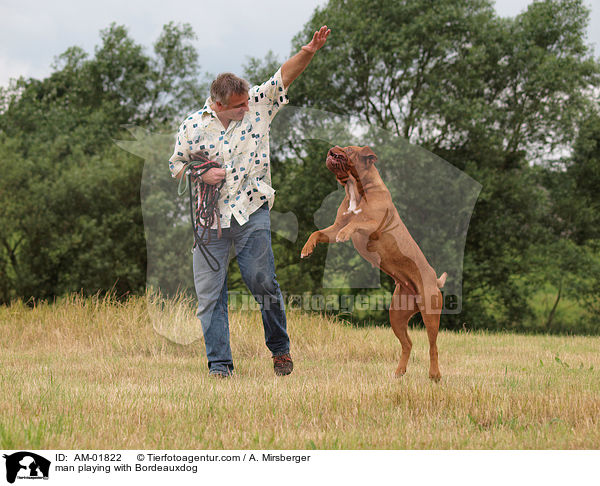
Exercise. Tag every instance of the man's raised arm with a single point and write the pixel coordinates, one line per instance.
(292, 68)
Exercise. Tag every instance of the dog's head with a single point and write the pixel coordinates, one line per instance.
(350, 161)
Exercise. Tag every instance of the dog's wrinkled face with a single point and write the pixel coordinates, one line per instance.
(350, 160)
(338, 163)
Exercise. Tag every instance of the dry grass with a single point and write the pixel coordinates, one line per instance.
(94, 374)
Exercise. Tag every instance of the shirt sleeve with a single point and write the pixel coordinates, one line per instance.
(181, 153)
(271, 94)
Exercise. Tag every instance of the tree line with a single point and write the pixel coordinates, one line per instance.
(511, 102)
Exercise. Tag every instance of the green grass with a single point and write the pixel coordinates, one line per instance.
(94, 374)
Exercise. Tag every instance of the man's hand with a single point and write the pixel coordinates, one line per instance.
(213, 176)
(292, 68)
(318, 40)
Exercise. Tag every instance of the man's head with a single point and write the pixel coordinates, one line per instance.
(229, 95)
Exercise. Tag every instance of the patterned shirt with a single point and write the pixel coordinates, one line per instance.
(242, 149)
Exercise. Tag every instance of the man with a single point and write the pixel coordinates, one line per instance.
(233, 129)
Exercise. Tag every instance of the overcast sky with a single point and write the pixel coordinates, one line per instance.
(33, 33)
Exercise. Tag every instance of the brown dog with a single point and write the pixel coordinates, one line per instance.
(368, 216)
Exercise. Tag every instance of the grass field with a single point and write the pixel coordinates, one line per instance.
(94, 374)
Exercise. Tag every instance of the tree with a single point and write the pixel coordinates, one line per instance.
(568, 258)
(71, 216)
(490, 95)
(580, 207)
(173, 85)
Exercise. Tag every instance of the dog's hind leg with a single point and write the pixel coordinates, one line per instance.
(402, 308)
(431, 318)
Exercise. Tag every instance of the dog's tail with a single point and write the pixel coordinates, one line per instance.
(442, 280)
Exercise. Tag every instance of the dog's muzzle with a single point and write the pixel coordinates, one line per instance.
(338, 164)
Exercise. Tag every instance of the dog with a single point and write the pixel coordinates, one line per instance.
(368, 216)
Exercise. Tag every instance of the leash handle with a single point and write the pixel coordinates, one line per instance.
(180, 191)
(208, 256)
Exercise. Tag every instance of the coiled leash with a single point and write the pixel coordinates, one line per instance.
(204, 208)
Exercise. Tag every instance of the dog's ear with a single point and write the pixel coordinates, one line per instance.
(367, 156)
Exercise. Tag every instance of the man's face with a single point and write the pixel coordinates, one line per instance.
(235, 108)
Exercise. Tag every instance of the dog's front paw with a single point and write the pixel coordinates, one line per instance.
(307, 249)
(343, 235)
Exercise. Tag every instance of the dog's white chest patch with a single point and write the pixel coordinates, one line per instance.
(353, 199)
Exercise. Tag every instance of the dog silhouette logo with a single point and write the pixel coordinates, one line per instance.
(26, 465)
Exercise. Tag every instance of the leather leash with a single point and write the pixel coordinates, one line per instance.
(204, 208)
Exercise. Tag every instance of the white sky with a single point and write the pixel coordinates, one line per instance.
(33, 33)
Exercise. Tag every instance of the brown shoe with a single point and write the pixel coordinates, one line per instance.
(283, 364)
(220, 375)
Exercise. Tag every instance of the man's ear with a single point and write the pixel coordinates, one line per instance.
(367, 156)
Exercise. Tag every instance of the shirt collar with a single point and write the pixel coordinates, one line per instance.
(207, 110)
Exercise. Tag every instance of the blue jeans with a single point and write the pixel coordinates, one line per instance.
(252, 245)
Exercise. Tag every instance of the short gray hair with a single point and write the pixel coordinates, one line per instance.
(225, 85)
